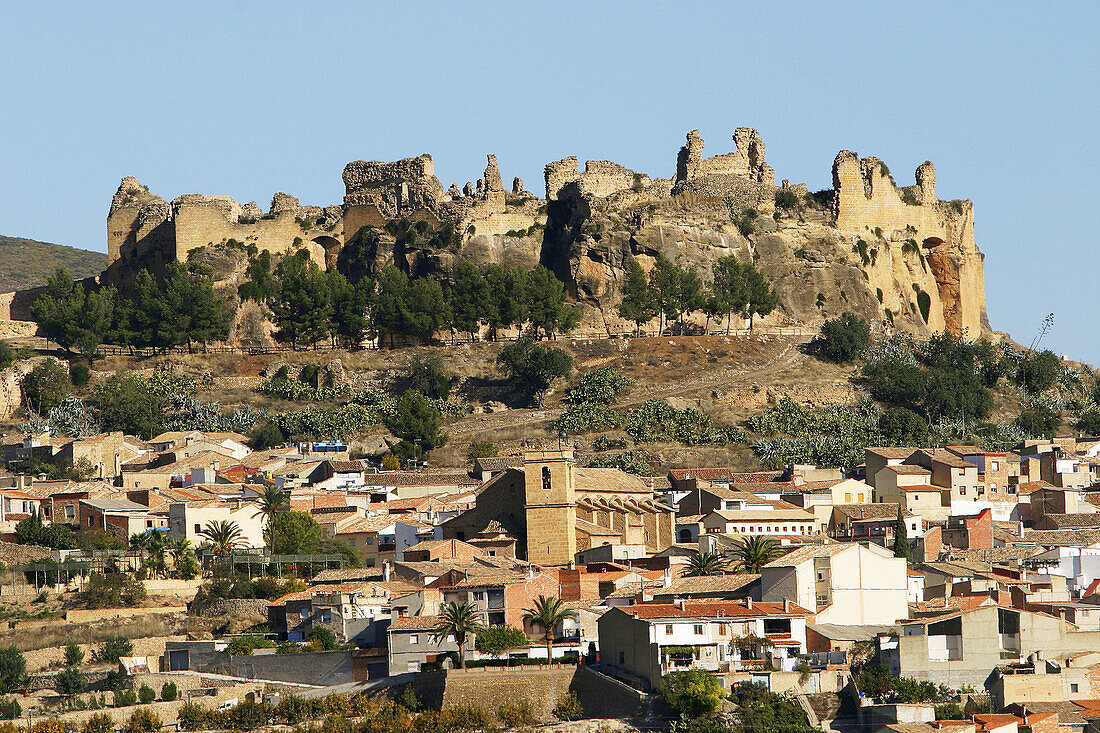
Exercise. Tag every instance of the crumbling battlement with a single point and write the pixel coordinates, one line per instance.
(600, 178)
(867, 199)
(747, 161)
(395, 188)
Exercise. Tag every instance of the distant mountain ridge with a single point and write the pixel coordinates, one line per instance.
(26, 263)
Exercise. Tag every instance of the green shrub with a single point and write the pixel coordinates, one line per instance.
(843, 339)
(192, 716)
(146, 694)
(98, 723)
(70, 682)
(481, 449)
(142, 721)
(74, 655)
(293, 709)
(242, 646)
(588, 418)
(169, 691)
(79, 375)
(606, 442)
(786, 199)
(497, 640)
(627, 462)
(924, 303)
(113, 590)
(1039, 371)
(949, 711)
(568, 707)
(516, 714)
(114, 648)
(124, 698)
(323, 639)
(248, 715)
(599, 386)
(10, 709)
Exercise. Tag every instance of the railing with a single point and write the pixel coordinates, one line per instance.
(258, 349)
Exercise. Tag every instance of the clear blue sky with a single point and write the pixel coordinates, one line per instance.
(247, 98)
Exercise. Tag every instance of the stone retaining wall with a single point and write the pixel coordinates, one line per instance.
(235, 607)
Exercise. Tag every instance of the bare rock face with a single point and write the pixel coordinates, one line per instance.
(395, 188)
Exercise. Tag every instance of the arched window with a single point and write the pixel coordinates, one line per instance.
(685, 535)
(546, 477)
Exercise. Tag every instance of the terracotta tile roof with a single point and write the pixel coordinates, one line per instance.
(724, 475)
(704, 584)
(1055, 537)
(870, 511)
(428, 545)
(809, 552)
(906, 469)
(952, 603)
(412, 504)
(497, 463)
(892, 453)
(1071, 521)
(415, 623)
(416, 478)
(712, 610)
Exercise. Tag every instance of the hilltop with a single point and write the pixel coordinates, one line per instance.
(26, 263)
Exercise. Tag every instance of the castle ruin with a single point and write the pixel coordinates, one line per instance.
(144, 231)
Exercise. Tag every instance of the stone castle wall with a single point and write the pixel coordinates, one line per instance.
(867, 199)
(601, 178)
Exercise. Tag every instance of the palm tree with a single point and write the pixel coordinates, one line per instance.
(549, 613)
(706, 563)
(225, 536)
(755, 552)
(272, 500)
(458, 620)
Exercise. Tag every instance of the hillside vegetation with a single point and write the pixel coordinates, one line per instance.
(26, 263)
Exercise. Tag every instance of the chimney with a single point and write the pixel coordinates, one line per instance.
(386, 570)
(748, 603)
(666, 578)
(786, 605)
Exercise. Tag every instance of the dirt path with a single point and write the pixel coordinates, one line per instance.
(788, 358)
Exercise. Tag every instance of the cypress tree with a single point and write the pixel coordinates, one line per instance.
(901, 537)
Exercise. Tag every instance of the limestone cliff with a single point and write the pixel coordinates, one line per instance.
(898, 256)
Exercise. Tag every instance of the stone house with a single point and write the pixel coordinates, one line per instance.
(431, 550)
(872, 523)
(850, 583)
(355, 611)
(761, 518)
(499, 597)
(106, 453)
(120, 517)
(380, 538)
(642, 642)
(187, 519)
(967, 645)
(17, 505)
(552, 508)
(413, 642)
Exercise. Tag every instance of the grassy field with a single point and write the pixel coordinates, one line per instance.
(25, 263)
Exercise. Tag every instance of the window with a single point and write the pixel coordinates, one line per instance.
(994, 466)
(847, 497)
(69, 512)
(668, 629)
(479, 595)
(546, 478)
(198, 529)
(1073, 687)
(860, 498)
(821, 576)
(777, 626)
(993, 486)
(962, 490)
(414, 638)
(697, 629)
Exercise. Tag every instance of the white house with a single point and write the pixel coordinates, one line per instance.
(846, 583)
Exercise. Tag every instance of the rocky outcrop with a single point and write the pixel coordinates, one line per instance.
(898, 256)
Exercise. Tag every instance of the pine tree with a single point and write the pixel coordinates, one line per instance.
(507, 297)
(901, 537)
(728, 287)
(761, 299)
(546, 309)
(470, 302)
(664, 283)
(302, 305)
(638, 304)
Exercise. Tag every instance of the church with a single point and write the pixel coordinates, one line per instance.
(552, 509)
